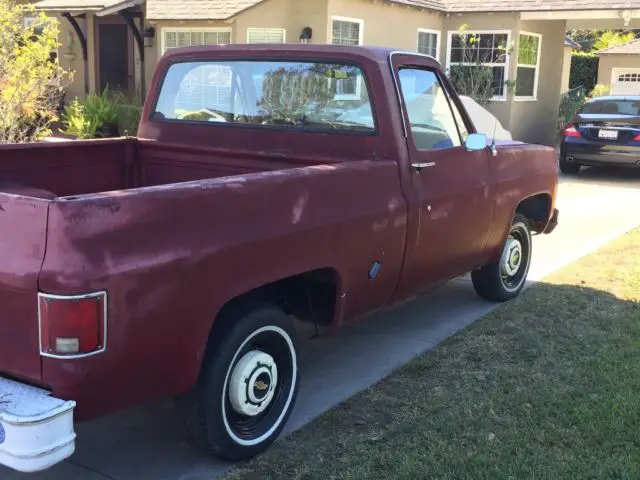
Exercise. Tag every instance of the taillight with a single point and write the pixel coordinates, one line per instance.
(571, 131)
(72, 326)
(636, 138)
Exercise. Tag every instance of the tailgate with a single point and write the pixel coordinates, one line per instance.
(23, 222)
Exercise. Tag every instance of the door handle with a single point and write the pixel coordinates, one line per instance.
(420, 165)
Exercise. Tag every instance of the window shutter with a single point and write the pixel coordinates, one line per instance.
(190, 38)
(265, 35)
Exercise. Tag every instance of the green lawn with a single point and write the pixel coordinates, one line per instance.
(547, 386)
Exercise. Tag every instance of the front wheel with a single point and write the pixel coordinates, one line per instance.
(248, 386)
(504, 279)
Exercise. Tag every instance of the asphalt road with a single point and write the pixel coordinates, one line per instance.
(144, 444)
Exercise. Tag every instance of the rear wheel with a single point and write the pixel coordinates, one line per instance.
(248, 386)
(504, 279)
(569, 168)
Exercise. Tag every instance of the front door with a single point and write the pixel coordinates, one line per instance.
(453, 187)
(114, 56)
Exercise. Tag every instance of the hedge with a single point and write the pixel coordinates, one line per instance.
(584, 71)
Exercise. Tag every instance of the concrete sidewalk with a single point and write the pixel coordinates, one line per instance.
(144, 444)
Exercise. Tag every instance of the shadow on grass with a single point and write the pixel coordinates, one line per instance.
(547, 386)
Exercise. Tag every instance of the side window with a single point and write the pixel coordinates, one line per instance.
(464, 133)
(433, 125)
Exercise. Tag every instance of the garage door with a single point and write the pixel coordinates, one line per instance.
(625, 81)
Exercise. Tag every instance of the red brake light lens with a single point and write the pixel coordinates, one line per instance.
(571, 131)
(72, 325)
(636, 138)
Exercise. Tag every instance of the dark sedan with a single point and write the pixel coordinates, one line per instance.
(606, 131)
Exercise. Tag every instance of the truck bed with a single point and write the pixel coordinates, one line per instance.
(35, 177)
(71, 169)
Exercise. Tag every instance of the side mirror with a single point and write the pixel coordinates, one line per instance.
(476, 141)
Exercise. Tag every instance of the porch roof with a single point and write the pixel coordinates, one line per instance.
(629, 48)
(73, 5)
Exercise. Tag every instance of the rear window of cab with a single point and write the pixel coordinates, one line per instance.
(293, 95)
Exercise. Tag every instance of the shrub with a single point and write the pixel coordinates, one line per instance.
(584, 70)
(570, 103)
(129, 118)
(104, 115)
(599, 91)
(31, 83)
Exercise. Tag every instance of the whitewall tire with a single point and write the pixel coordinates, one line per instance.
(248, 386)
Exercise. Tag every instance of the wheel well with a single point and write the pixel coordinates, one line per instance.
(537, 210)
(310, 297)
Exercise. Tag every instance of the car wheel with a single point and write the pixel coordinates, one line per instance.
(504, 279)
(569, 168)
(247, 388)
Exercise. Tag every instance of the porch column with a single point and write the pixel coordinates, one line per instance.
(83, 44)
(129, 18)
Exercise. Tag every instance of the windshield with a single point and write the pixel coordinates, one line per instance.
(297, 95)
(613, 107)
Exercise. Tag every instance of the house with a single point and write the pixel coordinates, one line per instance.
(118, 42)
(569, 47)
(619, 68)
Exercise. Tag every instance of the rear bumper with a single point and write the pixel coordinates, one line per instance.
(553, 221)
(36, 430)
(593, 156)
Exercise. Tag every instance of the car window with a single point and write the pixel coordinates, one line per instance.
(432, 123)
(296, 95)
(613, 107)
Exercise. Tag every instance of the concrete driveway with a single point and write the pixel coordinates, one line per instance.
(144, 444)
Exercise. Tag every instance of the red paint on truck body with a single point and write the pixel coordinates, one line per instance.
(253, 206)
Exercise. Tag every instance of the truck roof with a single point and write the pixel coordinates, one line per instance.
(379, 54)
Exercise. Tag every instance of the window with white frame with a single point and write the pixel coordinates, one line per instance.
(208, 85)
(480, 49)
(428, 42)
(266, 35)
(188, 37)
(30, 20)
(347, 31)
(529, 45)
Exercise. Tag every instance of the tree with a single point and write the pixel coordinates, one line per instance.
(612, 39)
(587, 38)
(31, 83)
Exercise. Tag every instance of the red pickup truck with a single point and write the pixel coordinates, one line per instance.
(266, 184)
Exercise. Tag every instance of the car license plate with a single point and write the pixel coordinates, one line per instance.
(608, 134)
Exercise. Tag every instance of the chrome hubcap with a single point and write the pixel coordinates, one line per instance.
(511, 257)
(253, 383)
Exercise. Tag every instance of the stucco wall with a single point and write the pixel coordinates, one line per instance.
(293, 15)
(386, 25)
(608, 62)
(534, 121)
